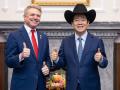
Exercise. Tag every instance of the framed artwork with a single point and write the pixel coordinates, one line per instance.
(59, 2)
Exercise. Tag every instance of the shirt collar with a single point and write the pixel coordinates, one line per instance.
(84, 36)
(28, 29)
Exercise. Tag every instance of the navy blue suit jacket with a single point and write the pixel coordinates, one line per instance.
(86, 71)
(27, 74)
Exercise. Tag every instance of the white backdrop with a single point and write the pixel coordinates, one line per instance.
(12, 10)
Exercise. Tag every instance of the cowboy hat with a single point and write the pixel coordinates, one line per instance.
(80, 9)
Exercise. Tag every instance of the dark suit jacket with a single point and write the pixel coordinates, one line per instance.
(86, 71)
(27, 74)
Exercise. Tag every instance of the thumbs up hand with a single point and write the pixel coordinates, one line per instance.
(26, 51)
(98, 56)
(45, 69)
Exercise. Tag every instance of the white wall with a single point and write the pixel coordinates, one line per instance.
(12, 10)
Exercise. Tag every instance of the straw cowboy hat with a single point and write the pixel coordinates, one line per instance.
(80, 9)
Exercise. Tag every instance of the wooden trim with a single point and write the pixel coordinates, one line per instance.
(3, 69)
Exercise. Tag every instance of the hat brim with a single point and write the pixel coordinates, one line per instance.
(90, 15)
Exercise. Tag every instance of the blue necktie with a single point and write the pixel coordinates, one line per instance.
(80, 49)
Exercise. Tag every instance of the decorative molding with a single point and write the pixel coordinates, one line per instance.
(61, 26)
(62, 29)
(101, 8)
(19, 6)
(5, 6)
(115, 5)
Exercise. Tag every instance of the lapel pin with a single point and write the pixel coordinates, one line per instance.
(40, 36)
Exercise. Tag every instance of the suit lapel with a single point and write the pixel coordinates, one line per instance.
(26, 38)
(87, 46)
(40, 45)
(73, 47)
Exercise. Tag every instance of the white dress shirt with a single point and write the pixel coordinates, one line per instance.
(28, 29)
(83, 37)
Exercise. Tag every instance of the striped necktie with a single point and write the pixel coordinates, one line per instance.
(80, 49)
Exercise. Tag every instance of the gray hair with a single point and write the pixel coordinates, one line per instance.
(32, 6)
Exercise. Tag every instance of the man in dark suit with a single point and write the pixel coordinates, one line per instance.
(26, 51)
(81, 53)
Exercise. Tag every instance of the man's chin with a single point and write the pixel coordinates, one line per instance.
(34, 26)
